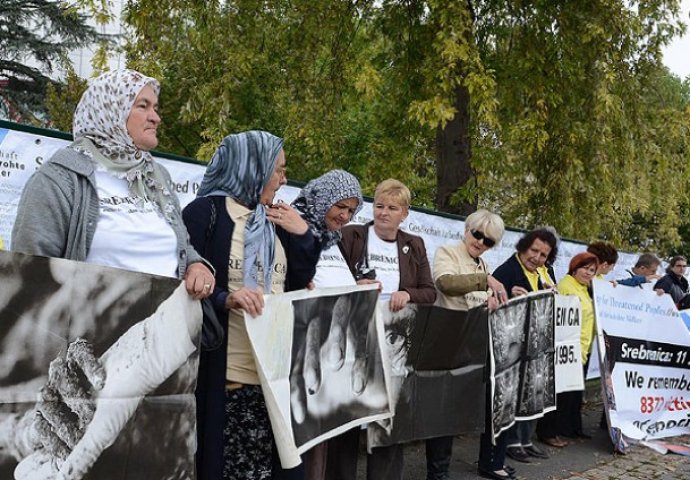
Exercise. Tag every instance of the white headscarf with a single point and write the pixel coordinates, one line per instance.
(100, 132)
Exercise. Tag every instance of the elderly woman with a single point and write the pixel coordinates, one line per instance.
(527, 271)
(464, 282)
(327, 204)
(256, 247)
(379, 252)
(674, 282)
(103, 199)
(581, 270)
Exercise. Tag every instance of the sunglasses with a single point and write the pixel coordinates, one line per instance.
(483, 238)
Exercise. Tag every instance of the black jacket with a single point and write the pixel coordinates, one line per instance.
(673, 285)
(510, 274)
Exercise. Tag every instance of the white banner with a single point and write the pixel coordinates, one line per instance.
(568, 316)
(646, 361)
(22, 153)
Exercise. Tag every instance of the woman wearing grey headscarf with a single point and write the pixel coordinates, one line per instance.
(256, 247)
(327, 204)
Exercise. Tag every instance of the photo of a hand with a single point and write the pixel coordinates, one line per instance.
(333, 376)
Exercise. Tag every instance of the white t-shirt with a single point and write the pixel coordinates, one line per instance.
(332, 270)
(383, 257)
(131, 233)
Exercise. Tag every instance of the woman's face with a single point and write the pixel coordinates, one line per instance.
(475, 247)
(679, 267)
(584, 275)
(388, 215)
(143, 120)
(340, 214)
(277, 180)
(536, 255)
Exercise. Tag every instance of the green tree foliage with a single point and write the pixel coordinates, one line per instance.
(560, 110)
(35, 37)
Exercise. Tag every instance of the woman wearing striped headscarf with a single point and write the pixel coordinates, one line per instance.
(256, 247)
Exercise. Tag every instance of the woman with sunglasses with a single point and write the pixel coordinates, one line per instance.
(460, 275)
(463, 281)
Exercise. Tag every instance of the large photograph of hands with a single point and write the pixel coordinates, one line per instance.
(335, 378)
(436, 357)
(97, 365)
(522, 360)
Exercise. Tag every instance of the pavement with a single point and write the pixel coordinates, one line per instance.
(583, 460)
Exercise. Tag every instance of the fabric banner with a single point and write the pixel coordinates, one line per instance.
(22, 153)
(568, 315)
(437, 360)
(645, 365)
(65, 414)
(336, 377)
(522, 360)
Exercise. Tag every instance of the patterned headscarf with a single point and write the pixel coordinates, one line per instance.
(240, 169)
(100, 132)
(319, 195)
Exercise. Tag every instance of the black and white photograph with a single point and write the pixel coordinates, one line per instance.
(437, 356)
(538, 392)
(96, 366)
(524, 384)
(335, 378)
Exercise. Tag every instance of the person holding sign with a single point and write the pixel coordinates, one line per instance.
(257, 247)
(380, 252)
(463, 281)
(674, 282)
(527, 271)
(567, 420)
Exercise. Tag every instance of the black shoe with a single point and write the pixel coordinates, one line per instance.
(494, 475)
(518, 454)
(510, 469)
(534, 451)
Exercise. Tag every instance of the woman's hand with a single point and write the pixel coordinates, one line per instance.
(398, 300)
(287, 217)
(518, 291)
(251, 300)
(499, 291)
(199, 281)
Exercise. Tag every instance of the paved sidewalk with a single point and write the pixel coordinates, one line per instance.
(583, 460)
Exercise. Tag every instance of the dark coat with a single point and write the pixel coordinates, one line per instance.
(673, 285)
(510, 274)
(415, 273)
(302, 252)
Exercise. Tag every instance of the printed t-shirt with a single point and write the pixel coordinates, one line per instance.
(241, 365)
(332, 269)
(383, 257)
(131, 233)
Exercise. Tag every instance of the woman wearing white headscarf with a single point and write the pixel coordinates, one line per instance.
(103, 199)
(234, 224)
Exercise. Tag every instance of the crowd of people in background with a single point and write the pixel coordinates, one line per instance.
(233, 244)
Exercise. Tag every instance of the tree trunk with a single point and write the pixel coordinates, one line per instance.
(453, 153)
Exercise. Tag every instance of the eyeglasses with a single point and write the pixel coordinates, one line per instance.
(483, 238)
(680, 265)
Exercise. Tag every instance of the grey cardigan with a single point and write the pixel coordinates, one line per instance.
(58, 212)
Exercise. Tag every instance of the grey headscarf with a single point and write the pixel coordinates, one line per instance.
(100, 132)
(319, 195)
(240, 169)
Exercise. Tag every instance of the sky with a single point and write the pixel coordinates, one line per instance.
(677, 54)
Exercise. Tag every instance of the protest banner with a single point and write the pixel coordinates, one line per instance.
(93, 423)
(568, 315)
(437, 378)
(335, 378)
(645, 364)
(522, 360)
(22, 152)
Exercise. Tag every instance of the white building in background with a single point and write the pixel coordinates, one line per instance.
(81, 58)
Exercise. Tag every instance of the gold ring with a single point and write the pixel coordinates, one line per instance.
(207, 286)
